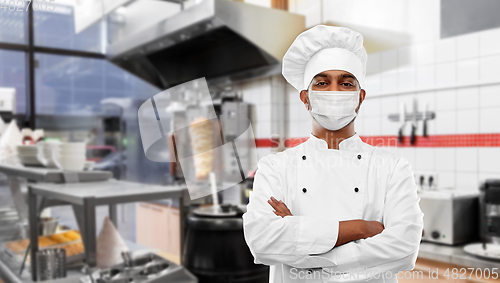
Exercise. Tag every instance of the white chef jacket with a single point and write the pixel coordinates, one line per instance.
(321, 187)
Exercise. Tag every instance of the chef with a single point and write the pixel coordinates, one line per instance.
(332, 209)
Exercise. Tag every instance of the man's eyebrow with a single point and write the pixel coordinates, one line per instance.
(343, 76)
(346, 75)
(321, 75)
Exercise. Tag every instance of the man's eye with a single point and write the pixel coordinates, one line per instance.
(321, 83)
(347, 84)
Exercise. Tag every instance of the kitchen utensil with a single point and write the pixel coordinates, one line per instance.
(492, 251)
(425, 118)
(86, 269)
(51, 264)
(127, 259)
(46, 226)
(154, 269)
(213, 187)
(402, 119)
(414, 122)
(450, 216)
(147, 268)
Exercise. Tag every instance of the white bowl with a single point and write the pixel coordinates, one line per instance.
(27, 154)
(50, 144)
(61, 151)
(27, 148)
(70, 163)
(30, 160)
(72, 145)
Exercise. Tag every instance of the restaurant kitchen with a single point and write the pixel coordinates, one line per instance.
(99, 102)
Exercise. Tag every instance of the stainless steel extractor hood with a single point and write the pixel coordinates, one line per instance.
(222, 40)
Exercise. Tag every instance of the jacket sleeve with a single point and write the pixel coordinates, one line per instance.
(394, 249)
(386, 270)
(289, 240)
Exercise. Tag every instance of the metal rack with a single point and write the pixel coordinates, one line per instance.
(38, 174)
(429, 115)
(84, 197)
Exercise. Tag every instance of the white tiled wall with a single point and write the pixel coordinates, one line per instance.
(457, 77)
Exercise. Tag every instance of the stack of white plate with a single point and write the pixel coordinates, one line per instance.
(46, 152)
(28, 155)
(69, 155)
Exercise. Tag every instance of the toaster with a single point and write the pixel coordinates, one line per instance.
(450, 216)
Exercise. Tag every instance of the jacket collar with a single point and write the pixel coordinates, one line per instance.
(352, 143)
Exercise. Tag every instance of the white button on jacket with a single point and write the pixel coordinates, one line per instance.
(321, 187)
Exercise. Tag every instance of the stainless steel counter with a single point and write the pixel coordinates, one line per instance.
(73, 275)
(453, 255)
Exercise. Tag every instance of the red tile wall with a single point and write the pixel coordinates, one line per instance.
(462, 140)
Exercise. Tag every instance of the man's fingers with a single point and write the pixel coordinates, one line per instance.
(280, 207)
(273, 204)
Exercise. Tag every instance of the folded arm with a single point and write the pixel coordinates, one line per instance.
(349, 230)
(276, 237)
(394, 249)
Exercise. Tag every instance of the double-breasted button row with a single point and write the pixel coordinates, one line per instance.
(304, 157)
(305, 190)
(355, 189)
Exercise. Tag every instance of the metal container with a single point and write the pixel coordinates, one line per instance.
(215, 249)
(489, 203)
(450, 216)
(51, 264)
(148, 268)
(46, 226)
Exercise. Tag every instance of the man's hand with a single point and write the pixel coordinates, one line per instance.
(373, 228)
(280, 207)
(352, 230)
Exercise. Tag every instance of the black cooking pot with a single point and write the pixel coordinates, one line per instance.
(215, 249)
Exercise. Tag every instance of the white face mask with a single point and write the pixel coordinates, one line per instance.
(333, 109)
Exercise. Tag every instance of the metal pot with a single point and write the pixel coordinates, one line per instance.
(215, 249)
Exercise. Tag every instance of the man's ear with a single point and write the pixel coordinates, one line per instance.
(303, 98)
(362, 94)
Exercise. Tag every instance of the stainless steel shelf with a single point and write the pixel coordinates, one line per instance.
(37, 174)
(84, 197)
(110, 192)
